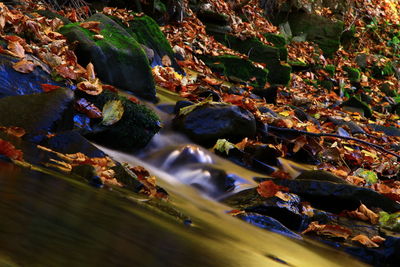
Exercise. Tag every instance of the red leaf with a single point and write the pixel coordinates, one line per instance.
(49, 87)
(7, 149)
(269, 189)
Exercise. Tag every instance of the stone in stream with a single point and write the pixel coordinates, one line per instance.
(334, 197)
(208, 122)
(118, 58)
(38, 113)
(134, 130)
(14, 83)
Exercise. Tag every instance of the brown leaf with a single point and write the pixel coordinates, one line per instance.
(24, 66)
(364, 240)
(16, 49)
(91, 26)
(166, 61)
(91, 88)
(87, 108)
(13, 130)
(328, 230)
(269, 189)
(66, 72)
(49, 87)
(91, 76)
(7, 149)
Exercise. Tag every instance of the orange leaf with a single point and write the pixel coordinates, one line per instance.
(328, 230)
(24, 66)
(49, 87)
(212, 81)
(7, 149)
(66, 72)
(364, 240)
(13, 130)
(16, 49)
(91, 88)
(166, 61)
(87, 108)
(91, 26)
(269, 189)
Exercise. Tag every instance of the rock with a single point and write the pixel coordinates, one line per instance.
(381, 71)
(52, 15)
(259, 52)
(181, 104)
(386, 88)
(388, 130)
(320, 175)
(13, 83)
(356, 105)
(353, 126)
(335, 197)
(354, 74)
(38, 113)
(267, 223)
(320, 30)
(209, 122)
(279, 41)
(269, 94)
(362, 60)
(118, 58)
(147, 32)
(134, 130)
(233, 66)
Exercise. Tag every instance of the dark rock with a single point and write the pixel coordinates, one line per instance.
(38, 113)
(259, 52)
(357, 105)
(267, 223)
(130, 69)
(353, 126)
(210, 93)
(14, 83)
(134, 130)
(208, 122)
(320, 175)
(335, 197)
(233, 66)
(388, 130)
(320, 30)
(279, 41)
(269, 94)
(181, 104)
(362, 60)
(354, 74)
(386, 88)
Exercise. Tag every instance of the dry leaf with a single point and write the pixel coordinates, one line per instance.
(166, 61)
(364, 240)
(269, 189)
(328, 230)
(24, 66)
(16, 49)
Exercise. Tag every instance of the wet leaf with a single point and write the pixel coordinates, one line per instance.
(91, 87)
(112, 112)
(91, 26)
(328, 230)
(66, 72)
(364, 214)
(269, 189)
(13, 130)
(390, 221)
(87, 108)
(49, 87)
(24, 66)
(364, 240)
(223, 145)
(369, 176)
(16, 49)
(7, 149)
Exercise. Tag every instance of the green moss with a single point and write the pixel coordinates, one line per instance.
(259, 52)
(330, 69)
(135, 129)
(355, 102)
(380, 72)
(236, 67)
(280, 42)
(354, 74)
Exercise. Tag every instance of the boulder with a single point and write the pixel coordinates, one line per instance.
(134, 130)
(38, 113)
(118, 58)
(208, 122)
(237, 68)
(13, 83)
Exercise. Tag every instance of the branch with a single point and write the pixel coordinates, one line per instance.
(301, 132)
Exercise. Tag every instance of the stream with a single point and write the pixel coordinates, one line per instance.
(53, 220)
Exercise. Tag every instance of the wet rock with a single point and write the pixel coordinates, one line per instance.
(209, 93)
(388, 130)
(320, 175)
(14, 83)
(353, 126)
(267, 223)
(134, 130)
(38, 113)
(181, 104)
(233, 66)
(209, 122)
(335, 197)
(286, 212)
(130, 69)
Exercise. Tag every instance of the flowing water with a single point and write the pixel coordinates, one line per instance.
(53, 220)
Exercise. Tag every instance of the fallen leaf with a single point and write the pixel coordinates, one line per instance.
(49, 87)
(7, 149)
(66, 72)
(16, 49)
(112, 112)
(166, 61)
(364, 240)
(269, 189)
(91, 26)
(328, 230)
(223, 145)
(24, 66)
(91, 88)
(87, 108)
(13, 130)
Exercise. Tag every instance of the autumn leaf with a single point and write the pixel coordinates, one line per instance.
(364, 214)
(13, 130)
(166, 61)
(24, 66)
(87, 108)
(223, 145)
(91, 26)
(91, 88)
(49, 87)
(91, 76)
(112, 112)
(364, 240)
(269, 189)
(16, 49)
(7, 149)
(328, 230)
(66, 72)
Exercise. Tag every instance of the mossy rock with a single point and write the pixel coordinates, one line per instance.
(279, 41)
(133, 131)
(354, 74)
(380, 72)
(147, 32)
(236, 67)
(320, 30)
(118, 58)
(259, 52)
(355, 104)
(330, 69)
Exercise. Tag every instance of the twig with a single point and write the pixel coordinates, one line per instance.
(378, 147)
